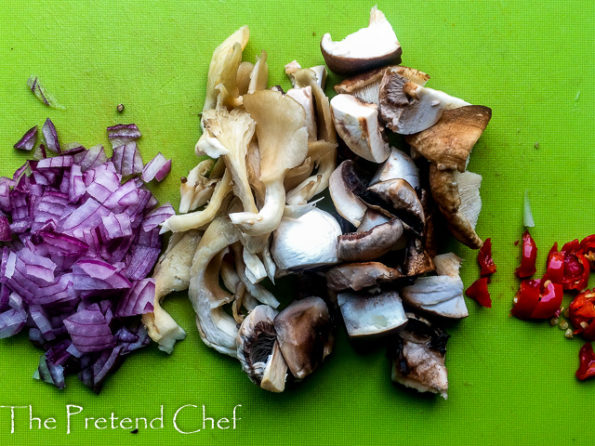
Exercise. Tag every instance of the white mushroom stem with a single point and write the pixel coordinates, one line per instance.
(198, 219)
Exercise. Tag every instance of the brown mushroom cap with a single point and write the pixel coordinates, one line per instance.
(369, 245)
(357, 276)
(417, 260)
(304, 335)
(449, 142)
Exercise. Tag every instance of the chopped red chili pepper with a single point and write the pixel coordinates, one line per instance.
(485, 260)
(537, 299)
(582, 314)
(555, 265)
(478, 291)
(528, 257)
(576, 267)
(587, 248)
(586, 358)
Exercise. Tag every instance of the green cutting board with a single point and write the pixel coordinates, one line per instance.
(511, 382)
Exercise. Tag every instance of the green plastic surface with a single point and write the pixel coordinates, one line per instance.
(511, 382)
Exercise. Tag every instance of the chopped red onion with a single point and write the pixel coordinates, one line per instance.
(41, 93)
(157, 168)
(127, 159)
(121, 134)
(51, 136)
(28, 140)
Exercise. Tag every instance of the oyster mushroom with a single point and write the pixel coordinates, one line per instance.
(369, 245)
(341, 185)
(398, 165)
(364, 49)
(217, 329)
(399, 198)
(304, 97)
(366, 315)
(172, 273)
(356, 122)
(197, 188)
(357, 276)
(283, 144)
(319, 71)
(407, 108)
(260, 74)
(419, 351)
(366, 86)
(306, 242)
(258, 350)
(222, 88)
(449, 142)
(243, 77)
(304, 333)
(457, 196)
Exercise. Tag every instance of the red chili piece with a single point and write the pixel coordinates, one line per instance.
(587, 248)
(555, 265)
(478, 291)
(537, 299)
(485, 260)
(586, 358)
(528, 257)
(576, 267)
(582, 314)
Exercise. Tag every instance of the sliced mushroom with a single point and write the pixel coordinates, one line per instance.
(298, 174)
(260, 74)
(293, 67)
(407, 108)
(449, 188)
(258, 350)
(369, 245)
(304, 333)
(449, 142)
(172, 273)
(357, 276)
(438, 295)
(448, 264)
(283, 144)
(222, 88)
(340, 186)
(398, 165)
(400, 199)
(304, 97)
(419, 353)
(366, 315)
(243, 77)
(356, 123)
(372, 218)
(366, 86)
(365, 49)
(308, 241)
(217, 329)
(417, 259)
(197, 188)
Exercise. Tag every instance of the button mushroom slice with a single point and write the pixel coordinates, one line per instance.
(457, 196)
(243, 77)
(369, 245)
(372, 218)
(357, 276)
(233, 131)
(418, 357)
(172, 273)
(283, 144)
(437, 295)
(258, 350)
(260, 74)
(217, 329)
(366, 86)
(449, 142)
(342, 183)
(222, 88)
(197, 187)
(400, 199)
(304, 333)
(407, 108)
(306, 242)
(198, 219)
(398, 165)
(304, 97)
(447, 264)
(356, 122)
(367, 48)
(366, 315)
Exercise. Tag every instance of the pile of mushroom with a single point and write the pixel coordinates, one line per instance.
(248, 214)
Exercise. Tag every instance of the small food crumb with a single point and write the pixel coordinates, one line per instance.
(568, 333)
(563, 325)
(554, 321)
(536, 145)
(120, 108)
(566, 312)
